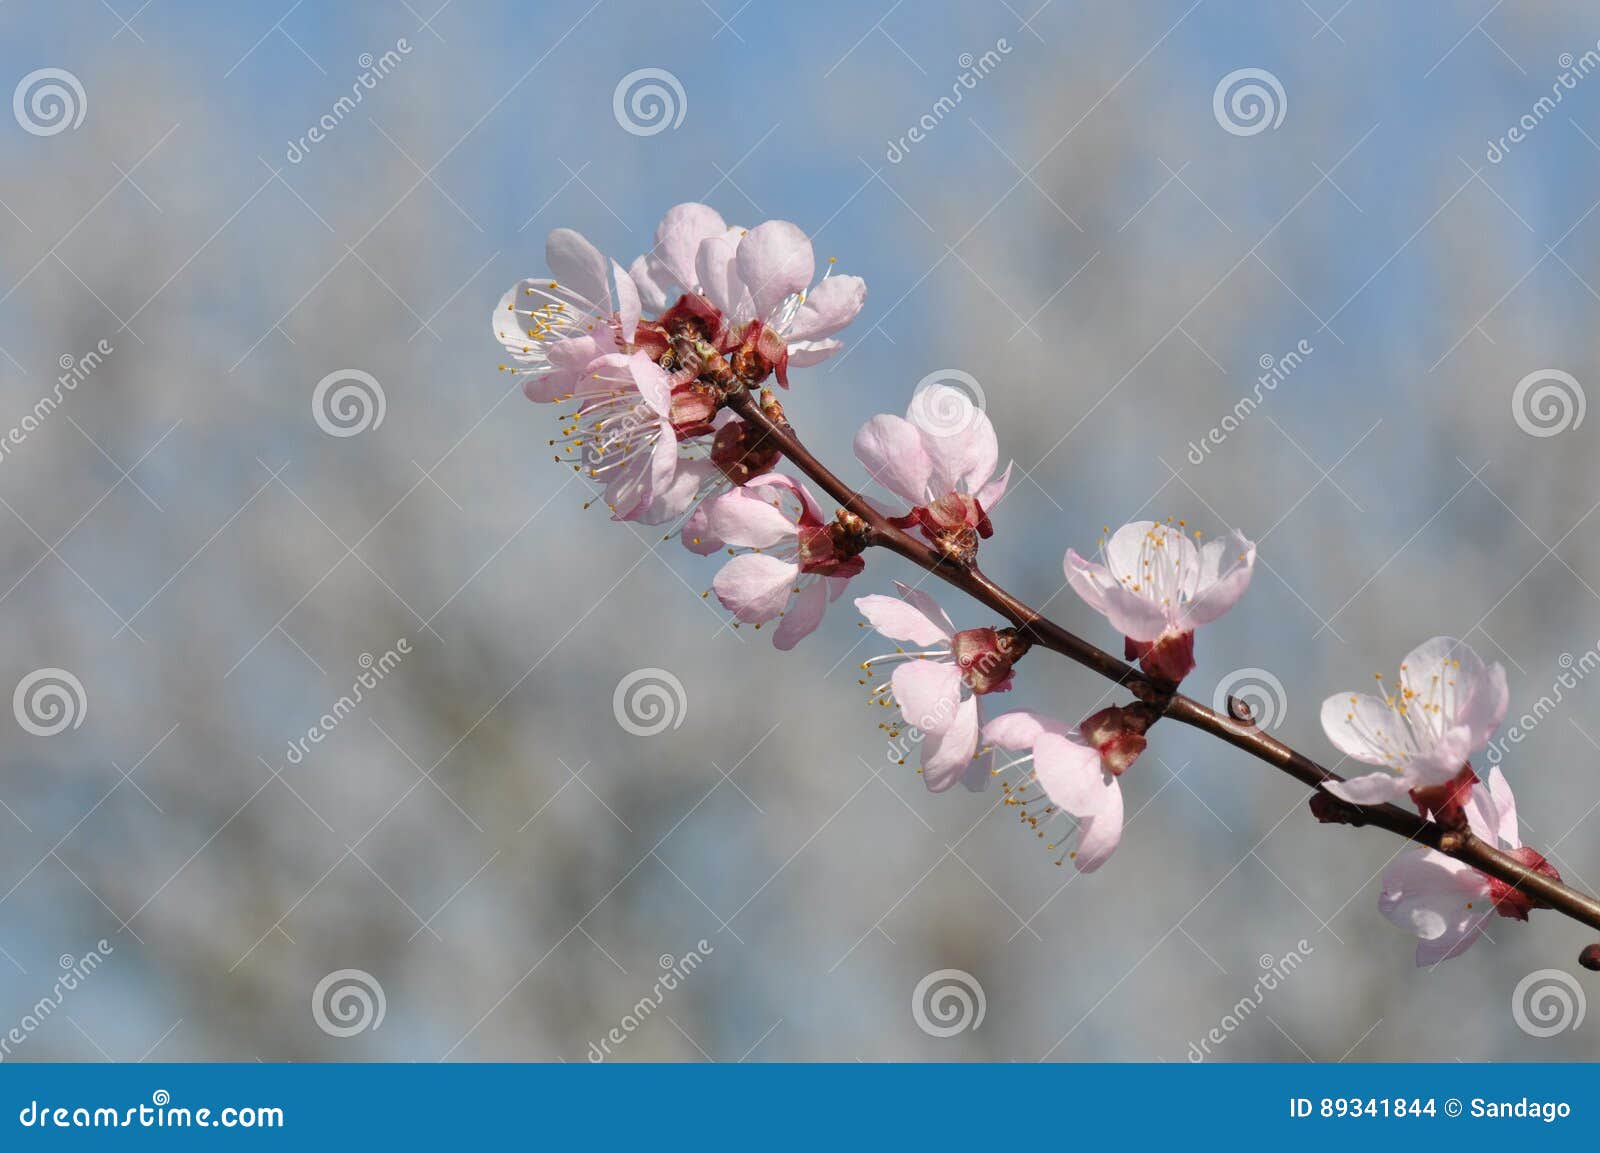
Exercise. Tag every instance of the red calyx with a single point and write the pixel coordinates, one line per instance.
(1512, 902)
(1169, 658)
(760, 353)
(1444, 803)
(1118, 734)
(985, 657)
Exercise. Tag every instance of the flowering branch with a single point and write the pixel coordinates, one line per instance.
(666, 364)
(1463, 845)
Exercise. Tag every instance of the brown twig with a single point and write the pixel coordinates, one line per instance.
(1046, 633)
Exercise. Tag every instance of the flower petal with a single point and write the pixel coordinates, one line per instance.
(891, 449)
(628, 304)
(1226, 565)
(775, 261)
(653, 282)
(578, 267)
(716, 265)
(678, 238)
(1072, 775)
(957, 436)
(1099, 835)
(755, 587)
(803, 616)
(1130, 614)
(899, 621)
(947, 755)
(828, 307)
(1369, 789)
(1019, 729)
(807, 353)
(1505, 808)
(929, 694)
(748, 519)
(1428, 893)
(989, 495)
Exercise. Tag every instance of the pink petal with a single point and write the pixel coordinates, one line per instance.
(946, 756)
(900, 622)
(1099, 835)
(1362, 727)
(746, 518)
(578, 266)
(697, 536)
(716, 265)
(803, 616)
(1369, 789)
(653, 282)
(1505, 807)
(672, 501)
(775, 260)
(828, 307)
(1018, 730)
(1072, 775)
(630, 493)
(891, 449)
(926, 605)
(782, 480)
(1129, 613)
(678, 238)
(928, 693)
(1226, 566)
(989, 495)
(957, 436)
(755, 587)
(807, 353)
(1427, 893)
(628, 306)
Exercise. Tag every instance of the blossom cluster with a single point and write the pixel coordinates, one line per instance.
(656, 363)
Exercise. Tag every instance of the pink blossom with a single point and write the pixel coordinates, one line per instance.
(1443, 709)
(1444, 902)
(1156, 586)
(756, 279)
(938, 687)
(1076, 770)
(940, 458)
(800, 561)
(623, 432)
(554, 328)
